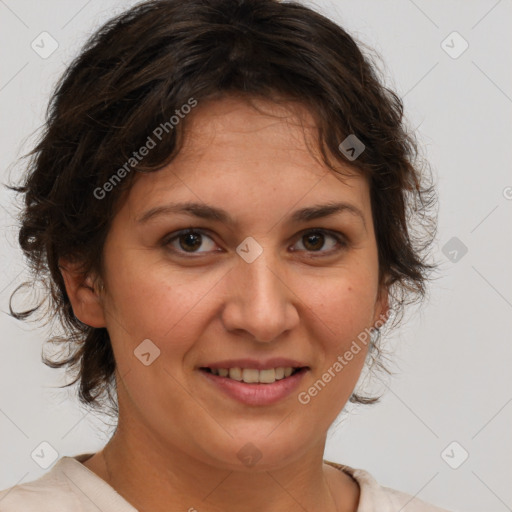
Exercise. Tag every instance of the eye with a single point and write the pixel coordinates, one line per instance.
(189, 240)
(314, 240)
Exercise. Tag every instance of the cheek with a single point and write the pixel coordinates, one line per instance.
(150, 298)
(343, 303)
(340, 312)
(151, 301)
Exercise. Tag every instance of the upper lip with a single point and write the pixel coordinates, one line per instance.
(275, 362)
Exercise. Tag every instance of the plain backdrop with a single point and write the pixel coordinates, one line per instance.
(443, 429)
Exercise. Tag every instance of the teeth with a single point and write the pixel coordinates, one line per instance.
(250, 376)
(265, 376)
(235, 373)
(253, 376)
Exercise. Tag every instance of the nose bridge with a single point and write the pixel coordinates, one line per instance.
(259, 301)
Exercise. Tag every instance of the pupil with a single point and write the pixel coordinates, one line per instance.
(316, 240)
(191, 241)
(194, 239)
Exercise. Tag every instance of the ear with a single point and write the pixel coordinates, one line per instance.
(382, 309)
(84, 295)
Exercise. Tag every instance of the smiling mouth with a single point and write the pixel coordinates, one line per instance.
(254, 376)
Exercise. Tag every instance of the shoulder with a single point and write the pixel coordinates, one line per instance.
(68, 487)
(407, 503)
(50, 493)
(376, 497)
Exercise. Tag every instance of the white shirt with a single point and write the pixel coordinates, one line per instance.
(71, 487)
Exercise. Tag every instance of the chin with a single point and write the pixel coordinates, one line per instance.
(254, 453)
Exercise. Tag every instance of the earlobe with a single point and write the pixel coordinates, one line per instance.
(84, 294)
(382, 309)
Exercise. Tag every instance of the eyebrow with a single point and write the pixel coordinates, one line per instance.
(204, 211)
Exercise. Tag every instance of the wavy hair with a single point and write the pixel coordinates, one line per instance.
(143, 65)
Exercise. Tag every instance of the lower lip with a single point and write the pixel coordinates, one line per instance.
(257, 394)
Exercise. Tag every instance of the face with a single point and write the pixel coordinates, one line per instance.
(254, 280)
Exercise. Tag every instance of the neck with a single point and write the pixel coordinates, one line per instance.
(165, 478)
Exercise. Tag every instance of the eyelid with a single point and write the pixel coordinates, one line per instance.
(341, 240)
(166, 241)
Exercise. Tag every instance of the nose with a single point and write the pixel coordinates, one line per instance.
(259, 301)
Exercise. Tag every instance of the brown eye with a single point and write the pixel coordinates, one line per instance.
(321, 241)
(313, 241)
(189, 241)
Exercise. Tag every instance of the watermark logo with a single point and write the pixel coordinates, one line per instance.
(455, 455)
(304, 397)
(147, 352)
(151, 142)
(249, 455)
(454, 249)
(454, 45)
(44, 455)
(249, 249)
(351, 147)
(44, 45)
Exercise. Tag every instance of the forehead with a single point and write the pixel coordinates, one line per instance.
(235, 151)
(227, 127)
(248, 117)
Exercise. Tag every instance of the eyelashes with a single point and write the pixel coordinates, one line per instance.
(186, 242)
(191, 236)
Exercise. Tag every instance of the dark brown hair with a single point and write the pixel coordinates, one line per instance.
(142, 67)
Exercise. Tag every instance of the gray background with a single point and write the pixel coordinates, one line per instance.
(451, 358)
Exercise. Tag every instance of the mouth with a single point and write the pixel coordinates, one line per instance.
(254, 387)
(255, 376)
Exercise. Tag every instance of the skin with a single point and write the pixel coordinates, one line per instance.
(178, 437)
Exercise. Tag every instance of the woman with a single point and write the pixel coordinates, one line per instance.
(218, 205)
